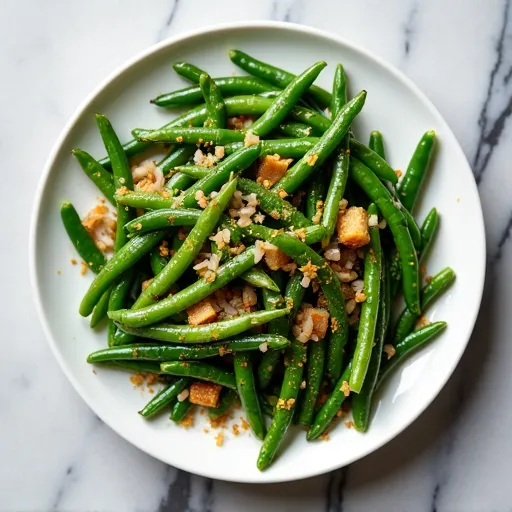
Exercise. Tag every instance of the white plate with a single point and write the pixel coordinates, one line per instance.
(396, 107)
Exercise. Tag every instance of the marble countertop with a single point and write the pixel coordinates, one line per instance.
(56, 455)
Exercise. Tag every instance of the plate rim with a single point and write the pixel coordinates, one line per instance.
(140, 56)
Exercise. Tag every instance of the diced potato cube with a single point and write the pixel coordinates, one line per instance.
(204, 393)
(271, 169)
(353, 227)
(201, 313)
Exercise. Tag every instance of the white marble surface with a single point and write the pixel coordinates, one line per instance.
(56, 455)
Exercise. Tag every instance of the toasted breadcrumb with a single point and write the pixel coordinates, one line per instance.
(151, 378)
(389, 350)
(349, 424)
(311, 160)
(83, 268)
(236, 429)
(147, 177)
(137, 379)
(360, 297)
(303, 385)
(245, 424)
(188, 420)
(345, 388)
(325, 436)
(285, 404)
(219, 439)
(163, 249)
(398, 172)
(73, 261)
(101, 225)
(251, 139)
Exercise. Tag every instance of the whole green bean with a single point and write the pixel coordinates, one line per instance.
(331, 406)
(296, 130)
(315, 199)
(217, 136)
(144, 200)
(316, 156)
(170, 333)
(186, 297)
(121, 174)
(335, 193)
(177, 156)
(214, 102)
(433, 290)
(180, 410)
(410, 186)
(314, 375)
(413, 228)
(373, 161)
(275, 76)
(134, 366)
(80, 238)
(428, 232)
(408, 345)
(190, 249)
(294, 362)
(369, 309)
(235, 163)
(339, 91)
(380, 195)
(100, 310)
(164, 398)
(285, 148)
(259, 279)
(96, 172)
(273, 205)
(188, 71)
(376, 144)
(286, 100)
(156, 261)
(154, 352)
(362, 401)
(158, 219)
(119, 263)
(200, 371)
(228, 86)
(117, 300)
(227, 398)
(247, 390)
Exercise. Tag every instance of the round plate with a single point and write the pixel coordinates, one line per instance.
(396, 107)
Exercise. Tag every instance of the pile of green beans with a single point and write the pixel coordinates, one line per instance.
(217, 274)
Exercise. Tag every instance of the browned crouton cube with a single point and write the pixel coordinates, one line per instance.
(320, 319)
(353, 227)
(271, 169)
(201, 313)
(204, 393)
(275, 258)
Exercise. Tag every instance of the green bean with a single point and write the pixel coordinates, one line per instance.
(100, 310)
(144, 200)
(119, 263)
(275, 76)
(190, 249)
(158, 219)
(413, 228)
(228, 86)
(164, 398)
(170, 333)
(339, 91)
(428, 232)
(180, 410)
(285, 148)
(362, 401)
(408, 345)
(330, 284)
(273, 205)
(373, 161)
(194, 171)
(259, 279)
(286, 100)
(409, 187)
(134, 366)
(117, 300)
(315, 199)
(433, 290)
(155, 352)
(272, 300)
(188, 71)
(266, 407)
(332, 405)
(294, 362)
(186, 297)
(380, 195)
(369, 309)
(376, 144)
(217, 136)
(121, 174)
(156, 261)
(314, 376)
(335, 193)
(214, 102)
(235, 163)
(97, 173)
(200, 371)
(318, 122)
(316, 156)
(296, 130)
(131, 148)
(227, 398)
(247, 390)
(178, 156)
(80, 238)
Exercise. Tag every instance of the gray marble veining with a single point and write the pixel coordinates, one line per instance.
(57, 455)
